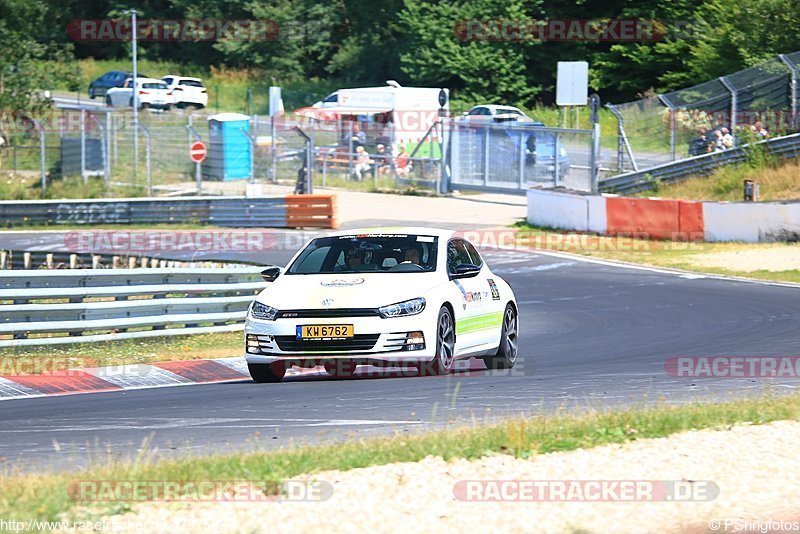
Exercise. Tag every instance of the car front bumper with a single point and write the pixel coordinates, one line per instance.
(376, 340)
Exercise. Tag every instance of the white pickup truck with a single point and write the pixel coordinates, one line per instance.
(153, 93)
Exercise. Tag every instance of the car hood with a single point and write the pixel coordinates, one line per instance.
(351, 290)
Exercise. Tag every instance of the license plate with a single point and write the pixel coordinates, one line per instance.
(324, 331)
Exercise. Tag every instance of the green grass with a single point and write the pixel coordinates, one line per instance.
(35, 360)
(227, 88)
(777, 181)
(658, 253)
(44, 496)
(28, 187)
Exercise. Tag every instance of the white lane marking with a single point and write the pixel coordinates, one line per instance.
(134, 424)
(660, 270)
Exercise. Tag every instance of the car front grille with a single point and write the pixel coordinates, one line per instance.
(360, 342)
(325, 313)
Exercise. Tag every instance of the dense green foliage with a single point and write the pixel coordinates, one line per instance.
(419, 42)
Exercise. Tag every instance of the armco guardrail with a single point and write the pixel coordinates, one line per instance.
(245, 212)
(632, 182)
(58, 307)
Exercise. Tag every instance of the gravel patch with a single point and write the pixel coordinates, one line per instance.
(757, 468)
(773, 259)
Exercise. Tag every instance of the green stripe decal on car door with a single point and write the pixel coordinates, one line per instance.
(479, 322)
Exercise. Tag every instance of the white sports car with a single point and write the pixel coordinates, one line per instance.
(413, 297)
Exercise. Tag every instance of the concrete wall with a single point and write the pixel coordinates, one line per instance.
(752, 222)
(567, 210)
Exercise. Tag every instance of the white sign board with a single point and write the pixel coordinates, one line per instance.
(380, 99)
(572, 83)
(275, 101)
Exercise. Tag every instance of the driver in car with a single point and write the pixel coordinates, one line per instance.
(412, 255)
(354, 259)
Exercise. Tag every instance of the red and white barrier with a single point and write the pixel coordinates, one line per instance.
(749, 222)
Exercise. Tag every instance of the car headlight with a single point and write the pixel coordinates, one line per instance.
(408, 307)
(262, 311)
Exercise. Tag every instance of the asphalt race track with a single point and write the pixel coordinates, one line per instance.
(592, 336)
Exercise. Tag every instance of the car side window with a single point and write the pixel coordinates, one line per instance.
(456, 254)
(168, 81)
(473, 253)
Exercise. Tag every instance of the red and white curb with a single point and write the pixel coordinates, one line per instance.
(156, 375)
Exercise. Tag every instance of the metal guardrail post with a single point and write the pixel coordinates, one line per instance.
(42, 158)
(734, 104)
(673, 120)
(148, 146)
(310, 156)
(486, 155)
(594, 171)
(557, 163)
(622, 141)
(83, 145)
(108, 150)
(103, 152)
(522, 158)
(114, 123)
(793, 68)
(198, 175)
(252, 139)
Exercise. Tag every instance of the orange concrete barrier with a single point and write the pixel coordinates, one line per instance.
(311, 211)
(654, 219)
(690, 220)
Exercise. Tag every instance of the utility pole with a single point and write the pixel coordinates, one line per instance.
(135, 98)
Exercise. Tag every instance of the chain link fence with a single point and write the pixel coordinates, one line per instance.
(675, 125)
(105, 146)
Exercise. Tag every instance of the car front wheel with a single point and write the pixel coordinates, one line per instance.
(445, 343)
(506, 355)
(267, 372)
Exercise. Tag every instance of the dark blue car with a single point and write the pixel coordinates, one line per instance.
(112, 78)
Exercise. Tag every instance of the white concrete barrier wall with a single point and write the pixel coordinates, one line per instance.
(558, 210)
(596, 205)
(751, 222)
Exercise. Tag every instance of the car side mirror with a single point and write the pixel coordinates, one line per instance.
(270, 273)
(465, 270)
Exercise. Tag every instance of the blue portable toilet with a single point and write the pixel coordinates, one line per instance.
(229, 147)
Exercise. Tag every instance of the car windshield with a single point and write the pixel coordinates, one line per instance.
(367, 253)
(191, 83)
(154, 86)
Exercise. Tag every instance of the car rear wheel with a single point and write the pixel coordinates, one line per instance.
(445, 343)
(267, 372)
(506, 355)
(340, 369)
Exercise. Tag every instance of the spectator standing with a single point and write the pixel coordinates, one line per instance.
(359, 137)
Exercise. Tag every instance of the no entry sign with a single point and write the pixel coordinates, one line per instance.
(197, 151)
